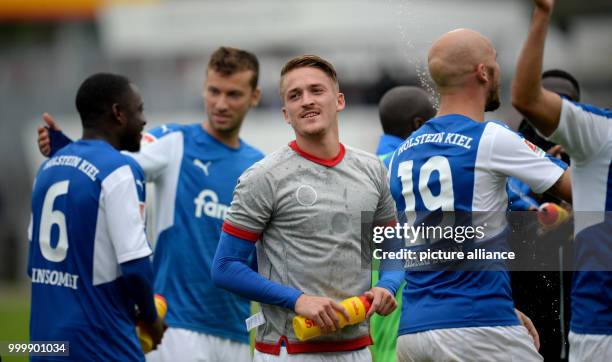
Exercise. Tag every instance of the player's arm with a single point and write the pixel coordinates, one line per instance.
(231, 271)
(531, 329)
(512, 155)
(391, 271)
(540, 106)
(120, 204)
(138, 276)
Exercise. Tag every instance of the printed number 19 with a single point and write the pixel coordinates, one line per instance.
(445, 200)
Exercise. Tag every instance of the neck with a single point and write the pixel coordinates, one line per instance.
(229, 139)
(465, 101)
(97, 134)
(325, 146)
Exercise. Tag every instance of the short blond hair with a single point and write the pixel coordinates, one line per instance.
(308, 61)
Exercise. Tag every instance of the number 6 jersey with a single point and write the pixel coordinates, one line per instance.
(455, 164)
(87, 219)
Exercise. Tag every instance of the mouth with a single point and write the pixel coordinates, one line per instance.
(309, 114)
(221, 117)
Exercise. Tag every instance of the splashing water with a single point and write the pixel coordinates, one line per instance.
(410, 50)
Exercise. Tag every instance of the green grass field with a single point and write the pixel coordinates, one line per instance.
(14, 317)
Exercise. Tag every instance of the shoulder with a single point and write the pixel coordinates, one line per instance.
(120, 163)
(364, 158)
(589, 109)
(497, 128)
(251, 151)
(163, 131)
(267, 167)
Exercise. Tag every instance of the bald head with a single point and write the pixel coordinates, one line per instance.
(404, 109)
(456, 54)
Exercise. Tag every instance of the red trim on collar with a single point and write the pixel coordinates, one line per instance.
(329, 163)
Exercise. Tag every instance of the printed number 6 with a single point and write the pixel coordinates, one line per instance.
(50, 217)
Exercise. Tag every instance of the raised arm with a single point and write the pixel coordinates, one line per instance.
(540, 106)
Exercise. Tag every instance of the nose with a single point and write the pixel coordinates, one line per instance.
(307, 99)
(221, 103)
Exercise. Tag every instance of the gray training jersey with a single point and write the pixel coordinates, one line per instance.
(307, 213)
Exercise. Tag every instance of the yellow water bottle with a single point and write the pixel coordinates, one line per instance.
(146, 342)
(357, 308)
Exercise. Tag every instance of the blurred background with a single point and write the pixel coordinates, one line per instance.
(48, 47)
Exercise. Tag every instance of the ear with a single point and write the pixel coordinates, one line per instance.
(481, 73)
(341, 102)
(418, 122)
(286, 115)
(256, 97)
(118, 113)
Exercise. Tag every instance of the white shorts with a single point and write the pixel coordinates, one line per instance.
(590, 347)
(361, 355)
(184, 345)
(468, 344)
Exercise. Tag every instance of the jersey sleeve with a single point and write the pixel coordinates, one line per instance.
(252, 204)
(385, 210)
(122, 211)
(160, 148)
(512, 155)
(583, 130)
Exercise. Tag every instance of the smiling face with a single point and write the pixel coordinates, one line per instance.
(228, 98)
(311, 101)
(134, 120)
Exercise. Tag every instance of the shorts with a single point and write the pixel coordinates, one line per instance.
(468, 344)
(184, 345)
(590, 347)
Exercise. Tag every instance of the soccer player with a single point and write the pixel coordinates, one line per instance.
(520, 196)
(401, 110)
(195, 169)
(89, 257)
(585, 132)
(457, 162)
(300, 207)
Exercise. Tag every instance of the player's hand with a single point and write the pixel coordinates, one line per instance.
(544, 5)
(556, 151)
(383, 302)
(155, 330)
(527, 323)
(322, 311)
(44, 140)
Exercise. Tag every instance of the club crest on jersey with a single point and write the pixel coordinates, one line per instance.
(306, 195)
(207, 203)
(537, 150)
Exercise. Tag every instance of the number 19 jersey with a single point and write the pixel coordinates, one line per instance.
(455, 164)
(87, 218)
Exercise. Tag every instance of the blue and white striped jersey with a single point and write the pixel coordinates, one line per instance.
(87, 219)
(194, 176)
(455, 164)
(585, 132)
